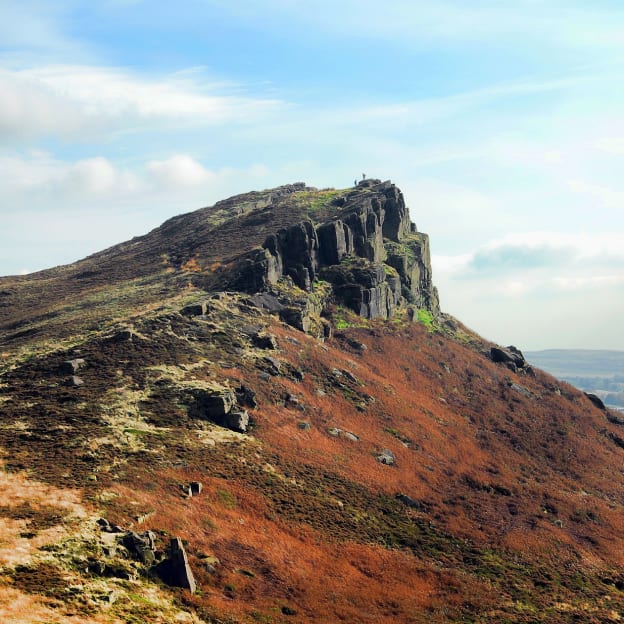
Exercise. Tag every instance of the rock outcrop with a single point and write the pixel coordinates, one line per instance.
(367, 249)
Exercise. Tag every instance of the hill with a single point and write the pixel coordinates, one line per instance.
(258, 413)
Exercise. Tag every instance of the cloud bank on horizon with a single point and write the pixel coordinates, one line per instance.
(501, 121)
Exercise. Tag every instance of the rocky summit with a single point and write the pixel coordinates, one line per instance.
(257, 412)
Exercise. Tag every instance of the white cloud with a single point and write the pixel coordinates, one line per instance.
(528, 252)
(40, 177)
(68, 101)
(179, 170)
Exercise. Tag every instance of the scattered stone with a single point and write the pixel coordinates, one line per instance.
(356, 344)
(266, 301)
(350, 377)
(264, 376)
(104, 524)
(292, 401)
(596, 400)
(288, 611)
(298, 375)
(304, 426)
(144, 517)
(125, 334)
(265, 341)
(209, 563)
(334, 431)
(386, 457)
(274, 366)
(522, 390)
(74, 382)
(351, 436)
(195, 488)
(219, 406)
(409, 502)
(71, 367)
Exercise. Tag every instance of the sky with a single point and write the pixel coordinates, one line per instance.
(502, 121)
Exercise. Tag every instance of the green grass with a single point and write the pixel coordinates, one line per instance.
(426, 318)
(226, 499)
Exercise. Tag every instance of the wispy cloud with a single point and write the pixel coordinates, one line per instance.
(530, 251)
(69, 101)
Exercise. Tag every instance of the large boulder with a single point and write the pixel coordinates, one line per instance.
(219, 406)
(175, 569)
(509, 356)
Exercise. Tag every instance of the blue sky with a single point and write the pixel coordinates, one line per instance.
(501, 121)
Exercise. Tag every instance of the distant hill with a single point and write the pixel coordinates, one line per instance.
(597, 371)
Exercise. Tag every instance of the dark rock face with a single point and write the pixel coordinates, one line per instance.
(175, 569)
(512, 357)
(295, 253)
(596, 400)
(221, 408)
(140, 546)
(370, 227)
(365, 288)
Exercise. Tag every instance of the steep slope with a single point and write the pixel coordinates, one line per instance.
(285, 396)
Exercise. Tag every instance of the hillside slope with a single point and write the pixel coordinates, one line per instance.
(271, 380)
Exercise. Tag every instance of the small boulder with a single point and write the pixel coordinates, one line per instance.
(386, 457)
(196, 309)
(265, 341)
(123, 335)
(273, 366)
(195, 488)
(408, 501)
(71, 367)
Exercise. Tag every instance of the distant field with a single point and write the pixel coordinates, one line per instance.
(578, 362)
(600, 372)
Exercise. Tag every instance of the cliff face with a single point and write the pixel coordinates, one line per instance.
(363, 243)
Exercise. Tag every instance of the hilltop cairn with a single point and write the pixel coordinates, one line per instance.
(368, 250)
